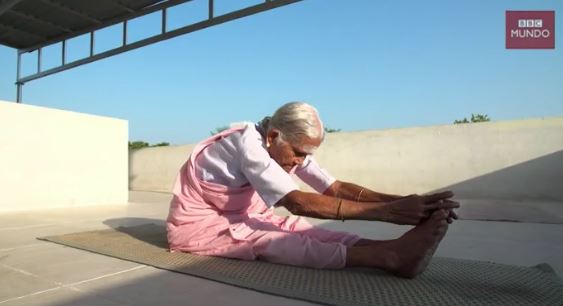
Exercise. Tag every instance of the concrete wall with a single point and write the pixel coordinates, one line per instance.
(511, 160)
(54, 158)
(499, 160)
(155, 169)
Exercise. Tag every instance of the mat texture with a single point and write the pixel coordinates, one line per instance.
(447, 281)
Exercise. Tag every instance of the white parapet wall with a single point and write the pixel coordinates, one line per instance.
(54, 158)
(156, 168)
(519, 160)
(508, 160)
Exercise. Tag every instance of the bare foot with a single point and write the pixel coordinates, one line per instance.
(415, 248)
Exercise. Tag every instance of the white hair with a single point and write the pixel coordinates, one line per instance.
(294, 120)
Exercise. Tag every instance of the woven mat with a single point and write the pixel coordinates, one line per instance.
(447, 281)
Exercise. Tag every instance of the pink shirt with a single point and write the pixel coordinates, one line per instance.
(241, 158)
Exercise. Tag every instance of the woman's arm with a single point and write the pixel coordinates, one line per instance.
(408, 210)
(358, 193)
(320, 206)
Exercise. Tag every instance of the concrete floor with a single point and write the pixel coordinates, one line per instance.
(34, 272)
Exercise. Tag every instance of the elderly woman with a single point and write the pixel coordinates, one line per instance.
(225, 193)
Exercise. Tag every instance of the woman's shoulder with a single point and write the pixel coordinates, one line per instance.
(249, 136)
(242, 137)
(251, 146)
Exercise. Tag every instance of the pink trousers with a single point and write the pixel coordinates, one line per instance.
(285, 240)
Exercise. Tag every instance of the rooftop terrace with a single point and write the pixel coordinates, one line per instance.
(34, 272)
(507, 176)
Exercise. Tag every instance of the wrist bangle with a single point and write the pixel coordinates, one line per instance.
(338, 216)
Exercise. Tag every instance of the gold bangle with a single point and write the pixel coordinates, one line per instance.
(338, 216)
(359, 195)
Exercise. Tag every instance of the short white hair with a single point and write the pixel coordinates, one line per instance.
(296, 119)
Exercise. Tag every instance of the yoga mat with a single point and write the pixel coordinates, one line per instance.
(446, 281)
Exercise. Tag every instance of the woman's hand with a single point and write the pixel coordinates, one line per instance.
(415, 208)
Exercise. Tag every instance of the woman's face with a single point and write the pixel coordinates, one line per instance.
(290, 155)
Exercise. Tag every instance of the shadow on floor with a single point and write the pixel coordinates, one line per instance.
(155, 235)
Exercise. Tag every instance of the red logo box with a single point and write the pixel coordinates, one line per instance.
(530, 29)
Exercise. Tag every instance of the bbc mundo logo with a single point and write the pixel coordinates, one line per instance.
(530, 28)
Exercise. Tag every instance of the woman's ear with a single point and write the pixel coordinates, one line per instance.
(271, 137)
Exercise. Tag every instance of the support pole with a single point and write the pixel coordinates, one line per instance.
(164, 13)
(63, 53)
(18, 83)
(211, 9)
(19, 92)
(124, 38)
(92, 43)
(39, 56)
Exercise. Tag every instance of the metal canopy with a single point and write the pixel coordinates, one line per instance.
(27, 24)
(31, 25)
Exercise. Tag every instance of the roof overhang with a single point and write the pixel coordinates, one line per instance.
(31, 25)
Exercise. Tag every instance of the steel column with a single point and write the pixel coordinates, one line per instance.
(18, 83)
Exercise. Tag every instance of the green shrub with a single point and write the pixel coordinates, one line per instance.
(136, 145)
(475, 118)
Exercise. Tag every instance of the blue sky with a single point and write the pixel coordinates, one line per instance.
(364, 64)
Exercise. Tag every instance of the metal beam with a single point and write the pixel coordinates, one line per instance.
(268, 5)
(6, 6)
(107, 23)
